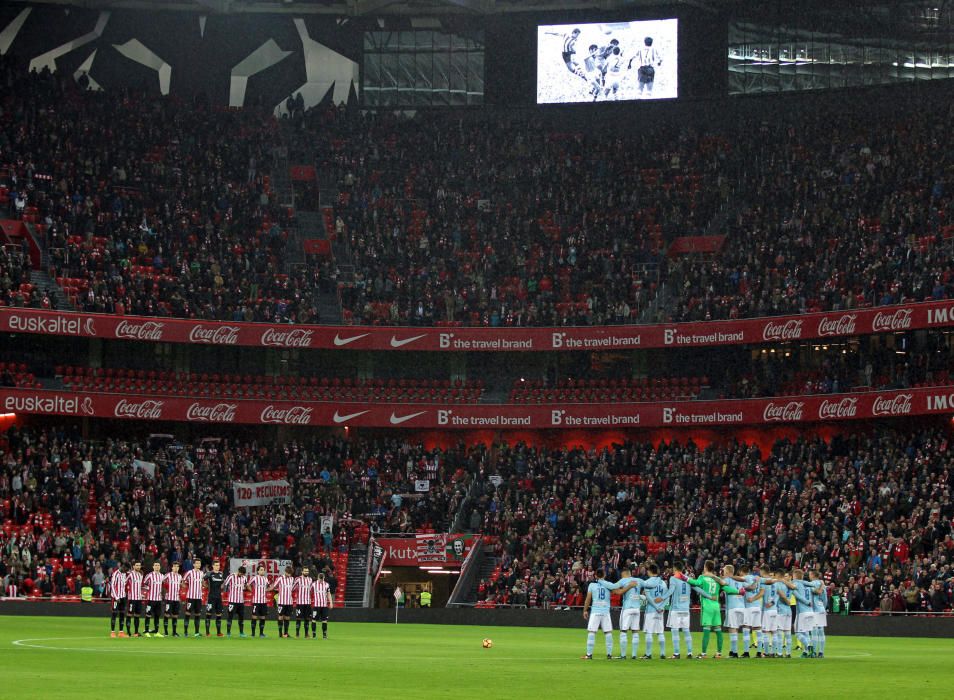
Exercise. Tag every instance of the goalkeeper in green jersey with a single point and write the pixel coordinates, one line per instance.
(708, 586)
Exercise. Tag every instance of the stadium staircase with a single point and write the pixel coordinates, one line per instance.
(487, 568)
(39, 276)
(356, 573)
(58, 298)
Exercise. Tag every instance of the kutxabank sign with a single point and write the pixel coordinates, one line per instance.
(814, 326)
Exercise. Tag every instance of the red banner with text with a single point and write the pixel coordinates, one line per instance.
(789, 409)
(887, 319)
(438, 549)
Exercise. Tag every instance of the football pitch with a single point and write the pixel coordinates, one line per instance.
(55, 657)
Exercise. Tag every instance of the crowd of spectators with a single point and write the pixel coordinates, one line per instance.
(156, 206)
(151, 205)
(89, 504)
(498, 220)
(15, 287)
(506, 220)
(839, 208)
(873, 510)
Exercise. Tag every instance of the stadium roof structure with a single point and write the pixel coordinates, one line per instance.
(357, 8)
(431, 7)
(898, 17)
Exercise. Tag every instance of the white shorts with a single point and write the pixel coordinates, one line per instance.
(678, 619)
(753, 617)
(735, 618)
(805, 622)
(783, 623)
(629, 619)
(769, 621)
(653, 622)
(821, 619)
(602, 621)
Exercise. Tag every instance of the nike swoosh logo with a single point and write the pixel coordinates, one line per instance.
(344, 341)
(395, 420)
(343, 419)
(395, 343)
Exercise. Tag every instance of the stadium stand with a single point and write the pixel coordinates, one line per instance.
(536, 225)
(874, 510)
(70, 508)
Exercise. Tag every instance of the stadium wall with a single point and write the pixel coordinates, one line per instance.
(278, 54)
(851, 626)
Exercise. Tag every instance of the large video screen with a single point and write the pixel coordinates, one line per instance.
(608, 62)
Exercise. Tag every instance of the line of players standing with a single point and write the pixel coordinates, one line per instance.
(757, 604)
(156, 595)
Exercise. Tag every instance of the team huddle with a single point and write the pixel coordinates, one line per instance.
(157, 595)
(755, 604)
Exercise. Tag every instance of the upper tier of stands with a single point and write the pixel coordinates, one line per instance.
(157, 207)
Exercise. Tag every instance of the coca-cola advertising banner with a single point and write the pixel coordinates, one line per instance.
(794, 409)
(887, 319)
(261, 493)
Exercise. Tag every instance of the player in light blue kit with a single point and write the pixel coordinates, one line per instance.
(654, 588)
(753, 608)
(783, 627)
(819, 612)
(805, 610)
(631, 588)
(734, 613)
(678, 596)
(598, 598)
(769, 614)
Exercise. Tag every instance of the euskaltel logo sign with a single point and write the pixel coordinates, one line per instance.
(218, 335)
(216, 413)
(34, 403)
(787, 330)
(148, 330)
(845, 408)
(897, 405)
(295, 415)
(842, 325)
(293, 338)
(790, 411)
(150, 409)
(899, 320)
(52, 325)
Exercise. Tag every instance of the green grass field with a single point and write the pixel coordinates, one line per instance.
(53, 657)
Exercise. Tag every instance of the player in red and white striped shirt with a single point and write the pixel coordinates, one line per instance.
(171, 588)
(134, 596)
(117, 591)
(322, 602)
(236, 584)
(153, 587)
(193, 581)
(284, 585)
(302, 601)
(259, 587)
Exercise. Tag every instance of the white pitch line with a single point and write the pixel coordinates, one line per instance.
(24, 643)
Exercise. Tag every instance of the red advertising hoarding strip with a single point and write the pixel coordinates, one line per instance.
(886, 319)
(790, 409)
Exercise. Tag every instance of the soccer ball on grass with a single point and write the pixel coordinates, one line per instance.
(487, 643)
